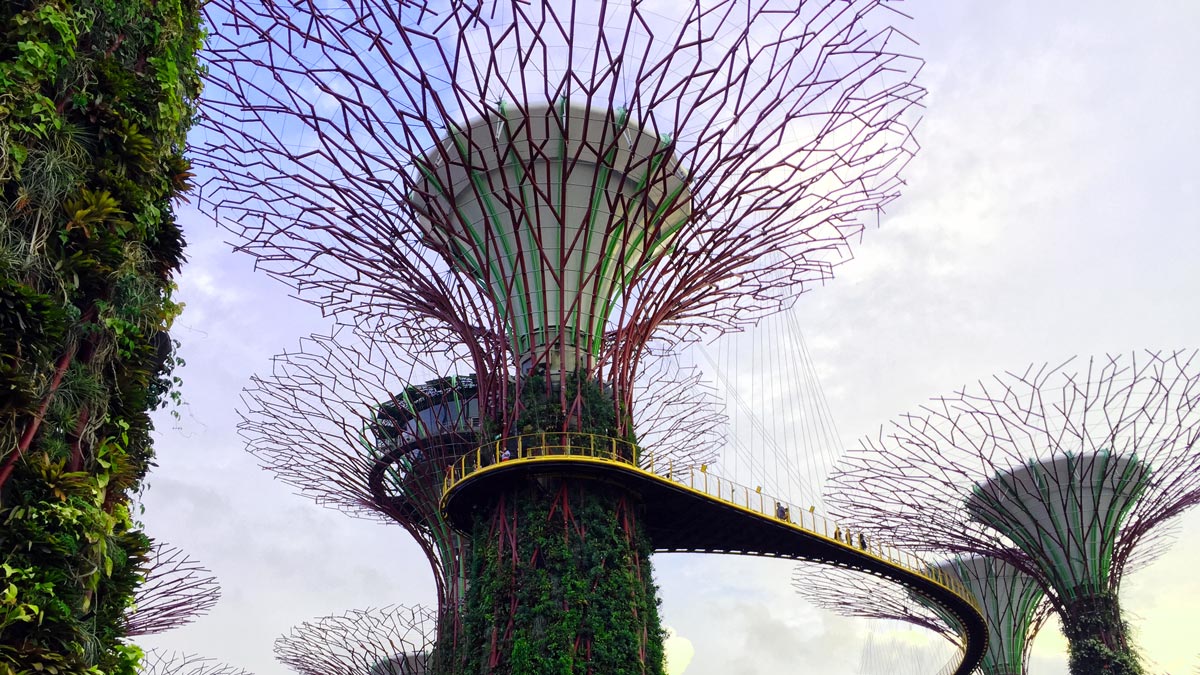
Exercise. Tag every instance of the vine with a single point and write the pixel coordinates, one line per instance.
(560, 579)
(575, 402)
(561, 586)
(96, 97)
(1098, 637)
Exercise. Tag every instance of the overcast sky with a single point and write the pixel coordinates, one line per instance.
(1052, 211)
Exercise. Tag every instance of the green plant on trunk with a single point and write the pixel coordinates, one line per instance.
(1099, 637)
(560, 581)
(96, 97)
(570, 594)
(572, 402)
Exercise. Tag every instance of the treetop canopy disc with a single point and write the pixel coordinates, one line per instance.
(553, 210)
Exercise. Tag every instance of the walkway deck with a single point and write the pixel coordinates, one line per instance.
(690, 509)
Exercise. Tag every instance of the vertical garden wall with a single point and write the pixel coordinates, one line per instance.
(96, 97)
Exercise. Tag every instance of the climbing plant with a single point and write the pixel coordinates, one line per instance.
(96, 97)
(560, 580)
(570, 402)
(1099, 637)
(560, 585)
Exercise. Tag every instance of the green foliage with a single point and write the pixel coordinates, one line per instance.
(560, 580)
(32, 327)
(96, 97)
(75, 564)
(572, 403)
(574, 597)
(1097, 637)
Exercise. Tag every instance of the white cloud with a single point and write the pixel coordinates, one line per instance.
(678, 651)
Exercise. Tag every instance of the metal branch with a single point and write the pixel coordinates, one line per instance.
(851, 593)
(394, 640)
(176, 591)
(157, 662)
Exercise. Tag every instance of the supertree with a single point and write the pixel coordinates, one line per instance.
(1013, 604)
(338, 420)
(393, 640)
(852, 593)
(175, 592)
(548, 191)
(1061, 471)
(1011, 600)
(884, 654)
(157, 662)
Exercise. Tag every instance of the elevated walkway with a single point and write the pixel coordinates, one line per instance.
(690, 509)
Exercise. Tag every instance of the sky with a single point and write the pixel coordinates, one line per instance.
(1052, 211)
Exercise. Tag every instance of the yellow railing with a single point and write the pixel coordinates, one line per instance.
(557, 446)
(542, 445)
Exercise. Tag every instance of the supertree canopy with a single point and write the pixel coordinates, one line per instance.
(393, 640)
(546, 192)
(1074, 501)
(852, 593)
(157, 662)
(528, 182)
(175, 592)
(1013, 604)
(1065, 472)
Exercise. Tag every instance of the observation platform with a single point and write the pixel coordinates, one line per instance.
(688, 509)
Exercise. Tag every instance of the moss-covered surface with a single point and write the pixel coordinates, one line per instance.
(551, 403)
(560, 585)
(1098, 637)
(560, 580)
(96, 97)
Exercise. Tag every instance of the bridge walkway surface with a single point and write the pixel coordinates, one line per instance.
(689, 509)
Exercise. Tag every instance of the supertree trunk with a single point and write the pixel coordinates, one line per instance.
(560, 584)
(1013, 603)
(1099, 637)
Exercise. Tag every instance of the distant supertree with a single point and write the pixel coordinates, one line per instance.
(547, 192)
(1011, 600)
(883, 656)
(1013, 604)
(176, 591)
(851, 593)
(1077, 466)
(157, 662)
(393, 640)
